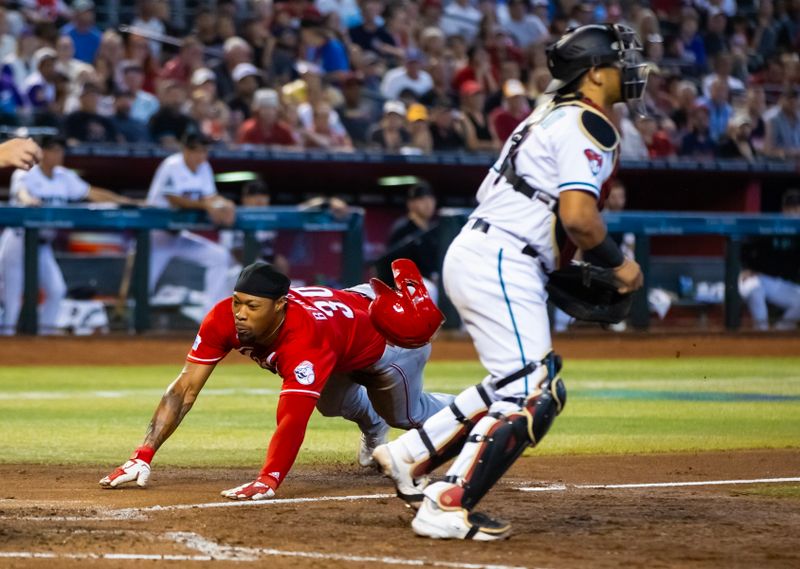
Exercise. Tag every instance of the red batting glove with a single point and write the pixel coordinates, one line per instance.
(260, 489)
(136, 468)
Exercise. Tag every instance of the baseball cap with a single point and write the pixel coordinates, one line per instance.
(513, 88)
(396, 107)
(82, 5)
(419, 190)
(740, 119)
(266, 99)
(41, 54)
(203, 75)
(413, 54)
(244, 70)
(470, 87)
(417, 112)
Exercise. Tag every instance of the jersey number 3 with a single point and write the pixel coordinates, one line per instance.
(327, 307)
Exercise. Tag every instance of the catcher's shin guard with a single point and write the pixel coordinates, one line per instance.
(501, 437)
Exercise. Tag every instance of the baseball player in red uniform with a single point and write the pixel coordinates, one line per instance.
(324, 345)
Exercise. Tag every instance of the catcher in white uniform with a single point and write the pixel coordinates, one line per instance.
(539, 202)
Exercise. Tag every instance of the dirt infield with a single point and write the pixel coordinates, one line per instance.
(62, 515)
(138, 350)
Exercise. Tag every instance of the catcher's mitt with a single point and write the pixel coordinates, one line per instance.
(588, 292)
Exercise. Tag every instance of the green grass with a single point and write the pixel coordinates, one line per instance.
(55, 415)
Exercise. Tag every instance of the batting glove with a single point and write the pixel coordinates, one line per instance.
(137, 468)
(256, 490)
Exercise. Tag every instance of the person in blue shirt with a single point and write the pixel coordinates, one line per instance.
(85, 35)
(325, 50)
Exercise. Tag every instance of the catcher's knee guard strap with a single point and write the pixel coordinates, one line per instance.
(502, 438)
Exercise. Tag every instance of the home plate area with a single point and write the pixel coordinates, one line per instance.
(689, 510)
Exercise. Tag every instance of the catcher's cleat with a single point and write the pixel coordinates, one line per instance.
(409, 489)
(368, 445)
(437, 523)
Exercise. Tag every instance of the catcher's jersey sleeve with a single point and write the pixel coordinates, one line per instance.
(216, 335)
(580, 161)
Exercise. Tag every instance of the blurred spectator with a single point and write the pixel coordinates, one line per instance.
(524, 27)
(144, 104)
(138, 50)
(409, 77)
(735, 143)
(655, 139)
(477, 128)
(514, 110)
(413, 236)
(632, 146)
(323, 49)
(265, 126)
(168, 125)
(8, 41)
(447, 129)
(128, 128)
(390, 134)
(357, 113)
(147, 18)
(322, 134)
(246, 79)
(684, 102)
(479, 68)
(189, 58)
(697, 143)
(108, 60)
(419, 128)
(66, 62)
(210, 114)
(692, 50)
(234, 52)
(719, 110)
(371, 35)
(85, 35)
(85, 124)
(756, 107)
(461, 18)
(723, 67)
(772, 272)
(782, 136)
(205, 27)
(17, 67)
(39, 88)
(715, 40)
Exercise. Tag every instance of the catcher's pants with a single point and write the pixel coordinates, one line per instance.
(391, 390)
(12, 277)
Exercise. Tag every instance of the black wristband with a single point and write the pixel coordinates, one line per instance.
(606, 254)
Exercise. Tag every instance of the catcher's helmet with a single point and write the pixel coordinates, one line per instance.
(594, 45)
(406, 317)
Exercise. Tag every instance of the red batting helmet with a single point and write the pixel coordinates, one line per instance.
(406, 317)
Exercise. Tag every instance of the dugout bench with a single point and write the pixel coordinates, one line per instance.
(645, 225)
(142, 220)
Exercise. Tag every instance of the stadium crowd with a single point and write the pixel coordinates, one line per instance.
(414, 76)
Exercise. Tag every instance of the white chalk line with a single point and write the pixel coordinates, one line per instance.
(122, 393)
(563, 487)
(210, 550)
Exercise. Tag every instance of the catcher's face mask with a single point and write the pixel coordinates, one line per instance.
(634, 70)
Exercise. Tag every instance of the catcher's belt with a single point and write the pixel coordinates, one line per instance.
(588, 292)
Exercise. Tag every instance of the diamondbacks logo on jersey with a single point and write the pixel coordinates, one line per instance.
(595, 160)
(304, 373)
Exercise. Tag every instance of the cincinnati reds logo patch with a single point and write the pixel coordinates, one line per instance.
(304, 373)
(595, 160)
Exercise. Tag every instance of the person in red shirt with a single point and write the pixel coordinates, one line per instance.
(265, 127)
(515, 109)
(323, 344)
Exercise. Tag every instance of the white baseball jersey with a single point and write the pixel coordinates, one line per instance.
(64, 186)
(174, 178)
(558, 154)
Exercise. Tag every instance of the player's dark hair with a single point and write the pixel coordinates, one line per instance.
(255, 188)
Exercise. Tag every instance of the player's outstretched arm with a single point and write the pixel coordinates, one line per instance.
(175, 404)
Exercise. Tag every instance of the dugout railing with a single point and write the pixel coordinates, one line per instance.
(645, 225)
(141, 221)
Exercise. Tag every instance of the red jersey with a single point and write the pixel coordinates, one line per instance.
(325, 331)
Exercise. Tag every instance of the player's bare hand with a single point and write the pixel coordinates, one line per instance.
(629, 275)
(221, 211)
(21, 153)
(255, 490)
(134, 470)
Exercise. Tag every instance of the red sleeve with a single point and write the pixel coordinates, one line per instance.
(294, 411)
(306, 371)
(215, 338)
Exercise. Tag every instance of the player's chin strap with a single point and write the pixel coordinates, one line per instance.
(501, 437)
(445, 434)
